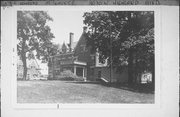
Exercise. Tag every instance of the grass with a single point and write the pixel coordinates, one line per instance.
(74, 92)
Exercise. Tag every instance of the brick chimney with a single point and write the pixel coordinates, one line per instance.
(71, 36)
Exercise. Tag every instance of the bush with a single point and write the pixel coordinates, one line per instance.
(79, 79)
(69, 76)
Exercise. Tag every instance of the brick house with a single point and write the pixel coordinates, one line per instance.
(81, 62)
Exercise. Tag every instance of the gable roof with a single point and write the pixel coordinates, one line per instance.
(80, 41)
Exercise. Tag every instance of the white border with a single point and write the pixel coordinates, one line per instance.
(91, 106)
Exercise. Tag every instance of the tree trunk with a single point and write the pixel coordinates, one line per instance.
(130, 67)
(23, 57)
(24, 67)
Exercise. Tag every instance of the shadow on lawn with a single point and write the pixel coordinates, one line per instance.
(140, 88)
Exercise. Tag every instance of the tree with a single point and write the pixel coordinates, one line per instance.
(34, 37)
(127, 36)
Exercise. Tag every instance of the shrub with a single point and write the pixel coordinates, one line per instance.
(79, 79)
(69, 76)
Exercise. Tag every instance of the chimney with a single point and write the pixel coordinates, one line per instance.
(71, 36)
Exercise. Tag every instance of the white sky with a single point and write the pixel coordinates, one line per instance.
(65, 22)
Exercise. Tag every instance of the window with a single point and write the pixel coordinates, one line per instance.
(83, 48)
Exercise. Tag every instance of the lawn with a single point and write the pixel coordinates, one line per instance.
(75, 92)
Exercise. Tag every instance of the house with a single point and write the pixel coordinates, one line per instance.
(32, 69)
(78, 59)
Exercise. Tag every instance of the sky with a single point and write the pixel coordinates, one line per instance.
(65, 22)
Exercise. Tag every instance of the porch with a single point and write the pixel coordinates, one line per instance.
(78, 68)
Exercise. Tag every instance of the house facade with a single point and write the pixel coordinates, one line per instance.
(83, 63)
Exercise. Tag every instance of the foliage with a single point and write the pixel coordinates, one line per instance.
(33, 30)
(34, 36)
(67, 75)
(127, 36)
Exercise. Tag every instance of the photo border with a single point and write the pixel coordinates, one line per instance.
(158, 47)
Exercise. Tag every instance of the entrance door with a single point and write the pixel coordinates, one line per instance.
(79, 71)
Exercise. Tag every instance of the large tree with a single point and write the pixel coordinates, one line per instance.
(124, 38)
(34, 37)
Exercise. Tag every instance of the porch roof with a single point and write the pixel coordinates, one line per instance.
(80, 63)
(71, 62)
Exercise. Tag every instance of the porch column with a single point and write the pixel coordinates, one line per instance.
(84, 73)
(74, 70)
